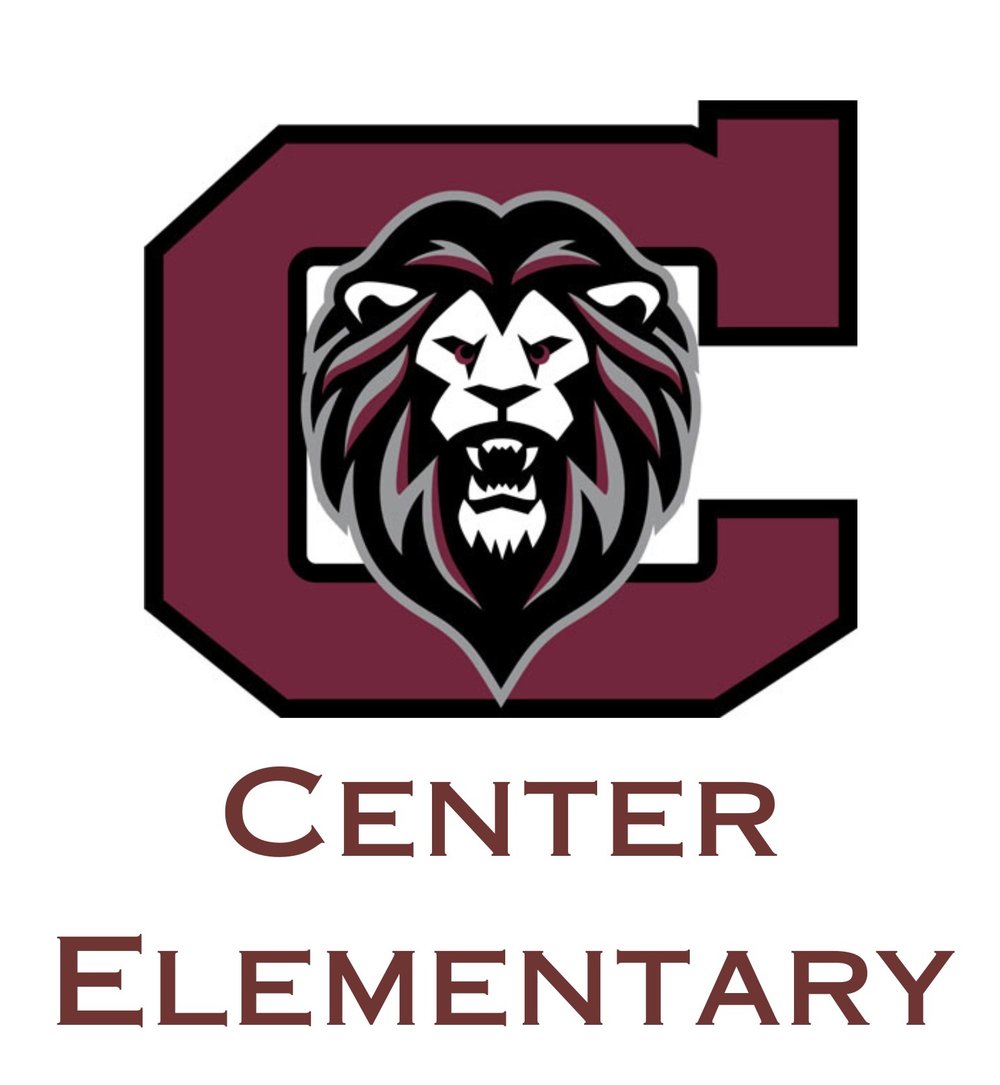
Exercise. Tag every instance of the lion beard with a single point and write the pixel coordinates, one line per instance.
(601, 500)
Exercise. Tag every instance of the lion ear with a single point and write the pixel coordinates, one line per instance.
(615, 293)
(392, 294)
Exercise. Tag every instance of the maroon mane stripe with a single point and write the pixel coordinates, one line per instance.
(543, 263)
(376, 344)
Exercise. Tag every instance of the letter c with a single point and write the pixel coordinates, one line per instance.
(237, 826)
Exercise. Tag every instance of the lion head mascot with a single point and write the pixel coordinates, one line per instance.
(499, 403)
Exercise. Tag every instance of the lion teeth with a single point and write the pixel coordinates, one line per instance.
(529, 457)
(474, 456)
(527, 492)
(502, 442)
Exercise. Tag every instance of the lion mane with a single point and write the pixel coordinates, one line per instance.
(385, 469)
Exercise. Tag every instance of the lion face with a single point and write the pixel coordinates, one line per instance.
(499, 405)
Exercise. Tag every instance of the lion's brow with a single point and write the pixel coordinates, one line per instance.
(555, 254)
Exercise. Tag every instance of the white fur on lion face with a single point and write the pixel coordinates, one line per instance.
(502, 362)
(503, 530)
(495, 376)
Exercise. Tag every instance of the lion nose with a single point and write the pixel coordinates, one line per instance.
(502, 398)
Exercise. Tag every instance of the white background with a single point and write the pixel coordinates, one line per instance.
(121, 742)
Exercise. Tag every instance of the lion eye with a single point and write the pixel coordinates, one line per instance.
(540, 352)
(465, 353)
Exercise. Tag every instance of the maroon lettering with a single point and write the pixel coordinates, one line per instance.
(560, 792)
(168, 997)
(251, 987)
(839, 990)
(237, 826)
(443, 796)
(746, 822)
(915, 987)
(354, 818)
(400, 971)
(71, 979)
(587, 1006)
(448, 987)
(623, 817)
(737, 962)
(654, 960)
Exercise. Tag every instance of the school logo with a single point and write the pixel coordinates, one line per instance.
(459, 355)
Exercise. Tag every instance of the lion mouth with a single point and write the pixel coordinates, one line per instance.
(502, 492)
(500, 475)
(501, 504)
